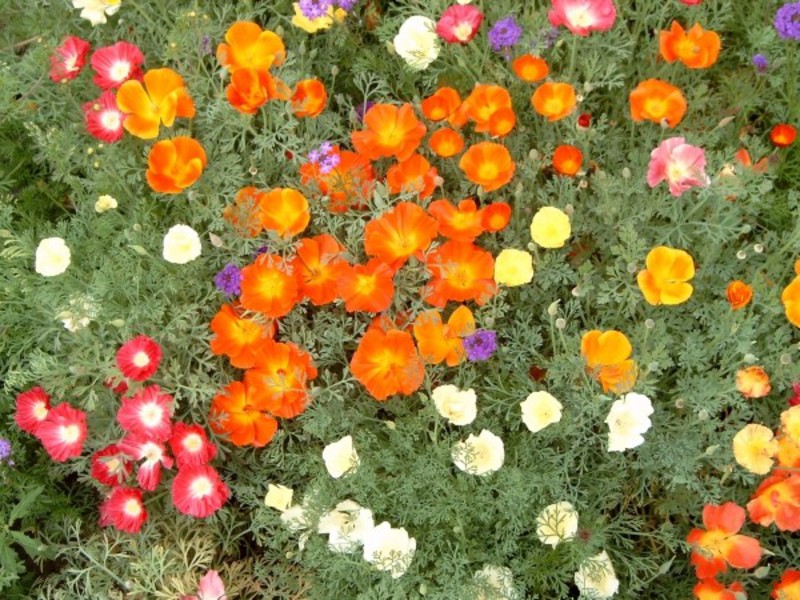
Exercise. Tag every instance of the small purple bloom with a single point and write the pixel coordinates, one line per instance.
(346, 4)
(5, 449)
(326, 147)
(328, 163)
(481, 345)
(505, 33)
(205, 45)
(314, 9)
(314, 156)
(229, 280)
(760, 63)
(261, 250)
(362, 109)
(787, 21)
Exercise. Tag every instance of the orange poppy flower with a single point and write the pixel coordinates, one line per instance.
(309, 98)
(249, 47)
(554, 100)
(783, 135)
(502, 122)
(607, 355)
(441, 105)
(696, 49)
(496, 216)
(161, 99)
(788, 588)
(398, 234)
(777, 500)
(664, 279)
(349, 184)
(238, 337)
(488, 164)
(739, 294)
(412, 176)
(250, 89)
(173, 165)
(279, 381)
(244, 213)
(530, 68)
(718, 545)
(460, 224)
(235, 415)
(655, 100)
(387, 363)
(269, 286)
(318, 262)
(460, 271)
(711, 589)
(366, 288)
(788, 454)
(753, 382)
(743, 158)
(446, 142)
(484, 102)
(284, 211)
(567, 160)
(790, 297)
(438, 342)
(390, 131)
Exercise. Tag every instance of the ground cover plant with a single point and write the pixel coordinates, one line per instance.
(360, 299)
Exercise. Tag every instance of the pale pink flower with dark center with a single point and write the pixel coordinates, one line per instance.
(680, 164)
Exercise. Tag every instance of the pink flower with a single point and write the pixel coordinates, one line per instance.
(680, 164)
(210, 588)
(138, 358)
(190, 445)
(32, 409)
(63, 432)
(114, 65)
(691, 2)
(198, 491)
(154, 454)
(103, 118)
(582, 17)
(147, 414)
(459, 24)
(68, 59)
(124, 509)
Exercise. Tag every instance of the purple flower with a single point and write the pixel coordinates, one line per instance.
(328, 163)
(481, 345)
(760, 63)
(314, 156)
(205, 45)
(362, 109)
(314, 9)
(229, 280)
(326, 147)
(346, 4)
(787, 21)
(5, 449)
(261, 250)
(505, 33)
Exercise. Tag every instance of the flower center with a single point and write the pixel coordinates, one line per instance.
(132, 508)
(110, 120)
(120, 71)
(151, 415)
(462, 31)
(140, 359)
(201, 487)
(580, 17)
(152, 453)
(70, 434)
(193, 442)
(40, 411)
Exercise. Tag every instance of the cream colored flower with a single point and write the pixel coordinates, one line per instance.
(539, 410)
(557, 523)
(627, 420)
(550, 227)
(790, 421)
(340, 457)
(52, 257)
(104, 203)
(513, 267)
(82, 311)
(181, 245)
(95, 11)
(346, 526)
(457, 406)
(389, 549)
(278, 497)
(754, 448)
(494, 583)
(417, 42)
(596, 577)
(479, 455)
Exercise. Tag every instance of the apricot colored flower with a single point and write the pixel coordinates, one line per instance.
(309, 98)
(783, 135)
(530, 68)
(460, 271)
(696, 48)
(249, 47)
(175, 164)
(788, 588)
(269, 286)
(488, 165)
(711, 589)
(567, 160)
(279, 380)
(462, 223)
(718, 545)
(235, 415)
(754, 447)
(446, 142)
(441, 105)
(484, 103)
(790, 297)
(495, 216)
(400, 233)
(739, 294)
(366, 288)
(656, 100)
(790, 423)
(788, 454)
(244, 214)
(753, 382)
(415, 175)
(238, 337)
(437, 341)
(387, 363)
(582, 17)
(607, 355)
(680, 164)
(554, 100)
(160, 100)
(390, 131)
(250, 89)
(777, 500)
(664, 279)
(284, 211)
(349, 184)
(318, 262)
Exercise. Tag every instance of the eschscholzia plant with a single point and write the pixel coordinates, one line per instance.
(753, 382)
(582, 17)
(783, 135)
(390, 131)
(554, 100)
(157, 100)
(665, 280)
(567, 160)
(696, 48)
(680, 164)
(607, 355)
(68, 59)
(488, 165)
(438, 341)
(175, 164)
(777, 501)
(720, 544)
(417, 42)
(738, 294)
(248, 46)
(529, 68)
(459, 24)
(309, 98)
(754, 448)
(657, 101)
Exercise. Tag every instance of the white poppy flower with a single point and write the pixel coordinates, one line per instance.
(346, 526)
(557, 523)
(95, 11)
(52, 257)
(389, 549)
(494, 583)
(340, 457)
(539, 410)
(479, 455)
(457, 406)
(596, 577)
(104, 203)
(417, 42)
(181, 245)
(627, 421)
(278, 497)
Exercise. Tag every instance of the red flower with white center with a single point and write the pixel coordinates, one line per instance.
(103, 119)
(124, 509)
(191, 446)
(154, 455)
(459, 23)
(114, 65)
(68, 59)
(63, 432)
(198, 491)
(138, 359)
(111, 466)
(32, 409)
(147, 414)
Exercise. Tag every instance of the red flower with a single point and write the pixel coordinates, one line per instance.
(118, 386)
(459, 23)
(123, 509)
(103, 119)
(198, 491)
(63, 432)
(718, 545)
(584, 120)
(191, 445)
(68, 59)
(154, 455)
(111, 466)
(783, 135)
(147, 414)
(32, 409)
(138, 359)
(114, 65)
